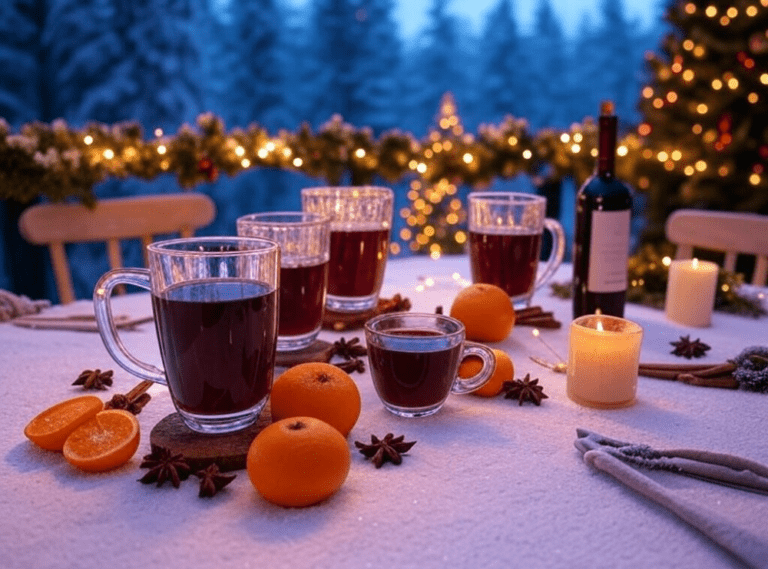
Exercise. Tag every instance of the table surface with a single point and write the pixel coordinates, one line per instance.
(488, 484)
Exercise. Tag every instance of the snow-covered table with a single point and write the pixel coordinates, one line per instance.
(488, 484)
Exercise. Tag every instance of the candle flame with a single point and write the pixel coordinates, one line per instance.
(599, 326)
(695, 263)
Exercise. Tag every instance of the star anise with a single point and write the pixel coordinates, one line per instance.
(164, 465)
(348, 350)
(390, 448)
(132, 405)
(352, 365)
(212, 480)
(94, 379)
(525, 389)
(687, 348)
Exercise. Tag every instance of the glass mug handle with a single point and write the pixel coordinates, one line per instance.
(555, 255)
(461, 385)
(103, 309)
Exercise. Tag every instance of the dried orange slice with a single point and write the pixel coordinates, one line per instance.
(51, 428)
(104, 442)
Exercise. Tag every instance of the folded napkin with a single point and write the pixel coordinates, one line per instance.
(13, 306)
(617, 458)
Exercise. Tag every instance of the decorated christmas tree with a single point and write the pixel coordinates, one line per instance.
(705, 111)
(436, 211)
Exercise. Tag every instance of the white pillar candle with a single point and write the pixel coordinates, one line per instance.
(603, 361)
(691, 292)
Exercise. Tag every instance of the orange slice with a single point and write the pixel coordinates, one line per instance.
(51, 428)
(104, 442)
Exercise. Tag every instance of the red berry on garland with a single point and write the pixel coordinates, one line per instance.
(207, 167)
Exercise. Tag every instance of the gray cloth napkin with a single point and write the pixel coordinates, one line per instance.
(615, 457)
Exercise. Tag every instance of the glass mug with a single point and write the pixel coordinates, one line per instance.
(215, 305)
(505, 230)
(361, 218)
(414, 360)
(304, 253)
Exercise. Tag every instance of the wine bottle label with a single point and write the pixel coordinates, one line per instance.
(609, 251)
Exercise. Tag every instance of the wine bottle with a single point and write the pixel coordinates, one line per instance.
(601, 233)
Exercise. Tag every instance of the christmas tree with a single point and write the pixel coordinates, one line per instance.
(705, 112)
(436, 211)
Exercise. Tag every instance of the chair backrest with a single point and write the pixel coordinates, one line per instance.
(732, 233)
(111, 220)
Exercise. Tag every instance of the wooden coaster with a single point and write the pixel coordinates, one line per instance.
(318, 351)
(227, 450)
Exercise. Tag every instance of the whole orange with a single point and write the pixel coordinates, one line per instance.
(505, 371)
(319, 390)
(486, 312)
(298, 462)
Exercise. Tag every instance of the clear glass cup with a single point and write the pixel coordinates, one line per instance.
(304, 240)
(215, 304)
(414, 359)
(505, 232)
(361, 219)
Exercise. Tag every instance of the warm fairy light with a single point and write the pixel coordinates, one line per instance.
(421, 168)
(452, 219)
(717, 84)
(109, 154)
(622, 150)
(647, 92)
(711, 11)
(575, 148)
(158, 132)
(754, 179)
(725, 20)
(669, 165)
(527, 154)
(360, 153)
(405, 234)
(702, 109)
(722, 171)
(162, 149)
(270, 146)
(564, 138)
(677, 67)
(753, 98)
(88, 139)
(262, 153)
(644, 129)
(577, 137)
(700, 165)
(287, 152)
(697, 129)
(689, 171)
(468, 158)
(688, 45)
(698, 51)
(394, 248)
(732, 12)
(733, 83)
(666, 261)
(751, 11)
(593, 153)
(764, 78)
(460, 237)
(662, 156)
(297, 162)
(512, 140)
(676, 155)
(245, 163)
(240, 151)
(671, 96)
(690, 8)
(688, 75)
(658, 103)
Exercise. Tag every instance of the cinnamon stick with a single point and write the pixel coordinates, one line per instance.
(139, 389)
(726, 382)
(677, 367)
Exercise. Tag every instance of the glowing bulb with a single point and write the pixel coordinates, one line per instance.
(109, 154)
(527, 154)
(161, 149)
(88, 139)
(240, 151)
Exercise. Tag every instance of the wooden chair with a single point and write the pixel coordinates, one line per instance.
(112, 220)
(732, 233)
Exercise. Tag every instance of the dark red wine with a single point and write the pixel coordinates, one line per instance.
(302, 297)
(413, 379)
(508, 261)
(217, 341)
(357, 262)
(601, 233)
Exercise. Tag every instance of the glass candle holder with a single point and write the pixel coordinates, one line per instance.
(603, 361)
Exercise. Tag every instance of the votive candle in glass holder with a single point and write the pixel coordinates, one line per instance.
(691, 289)
(603, 361)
